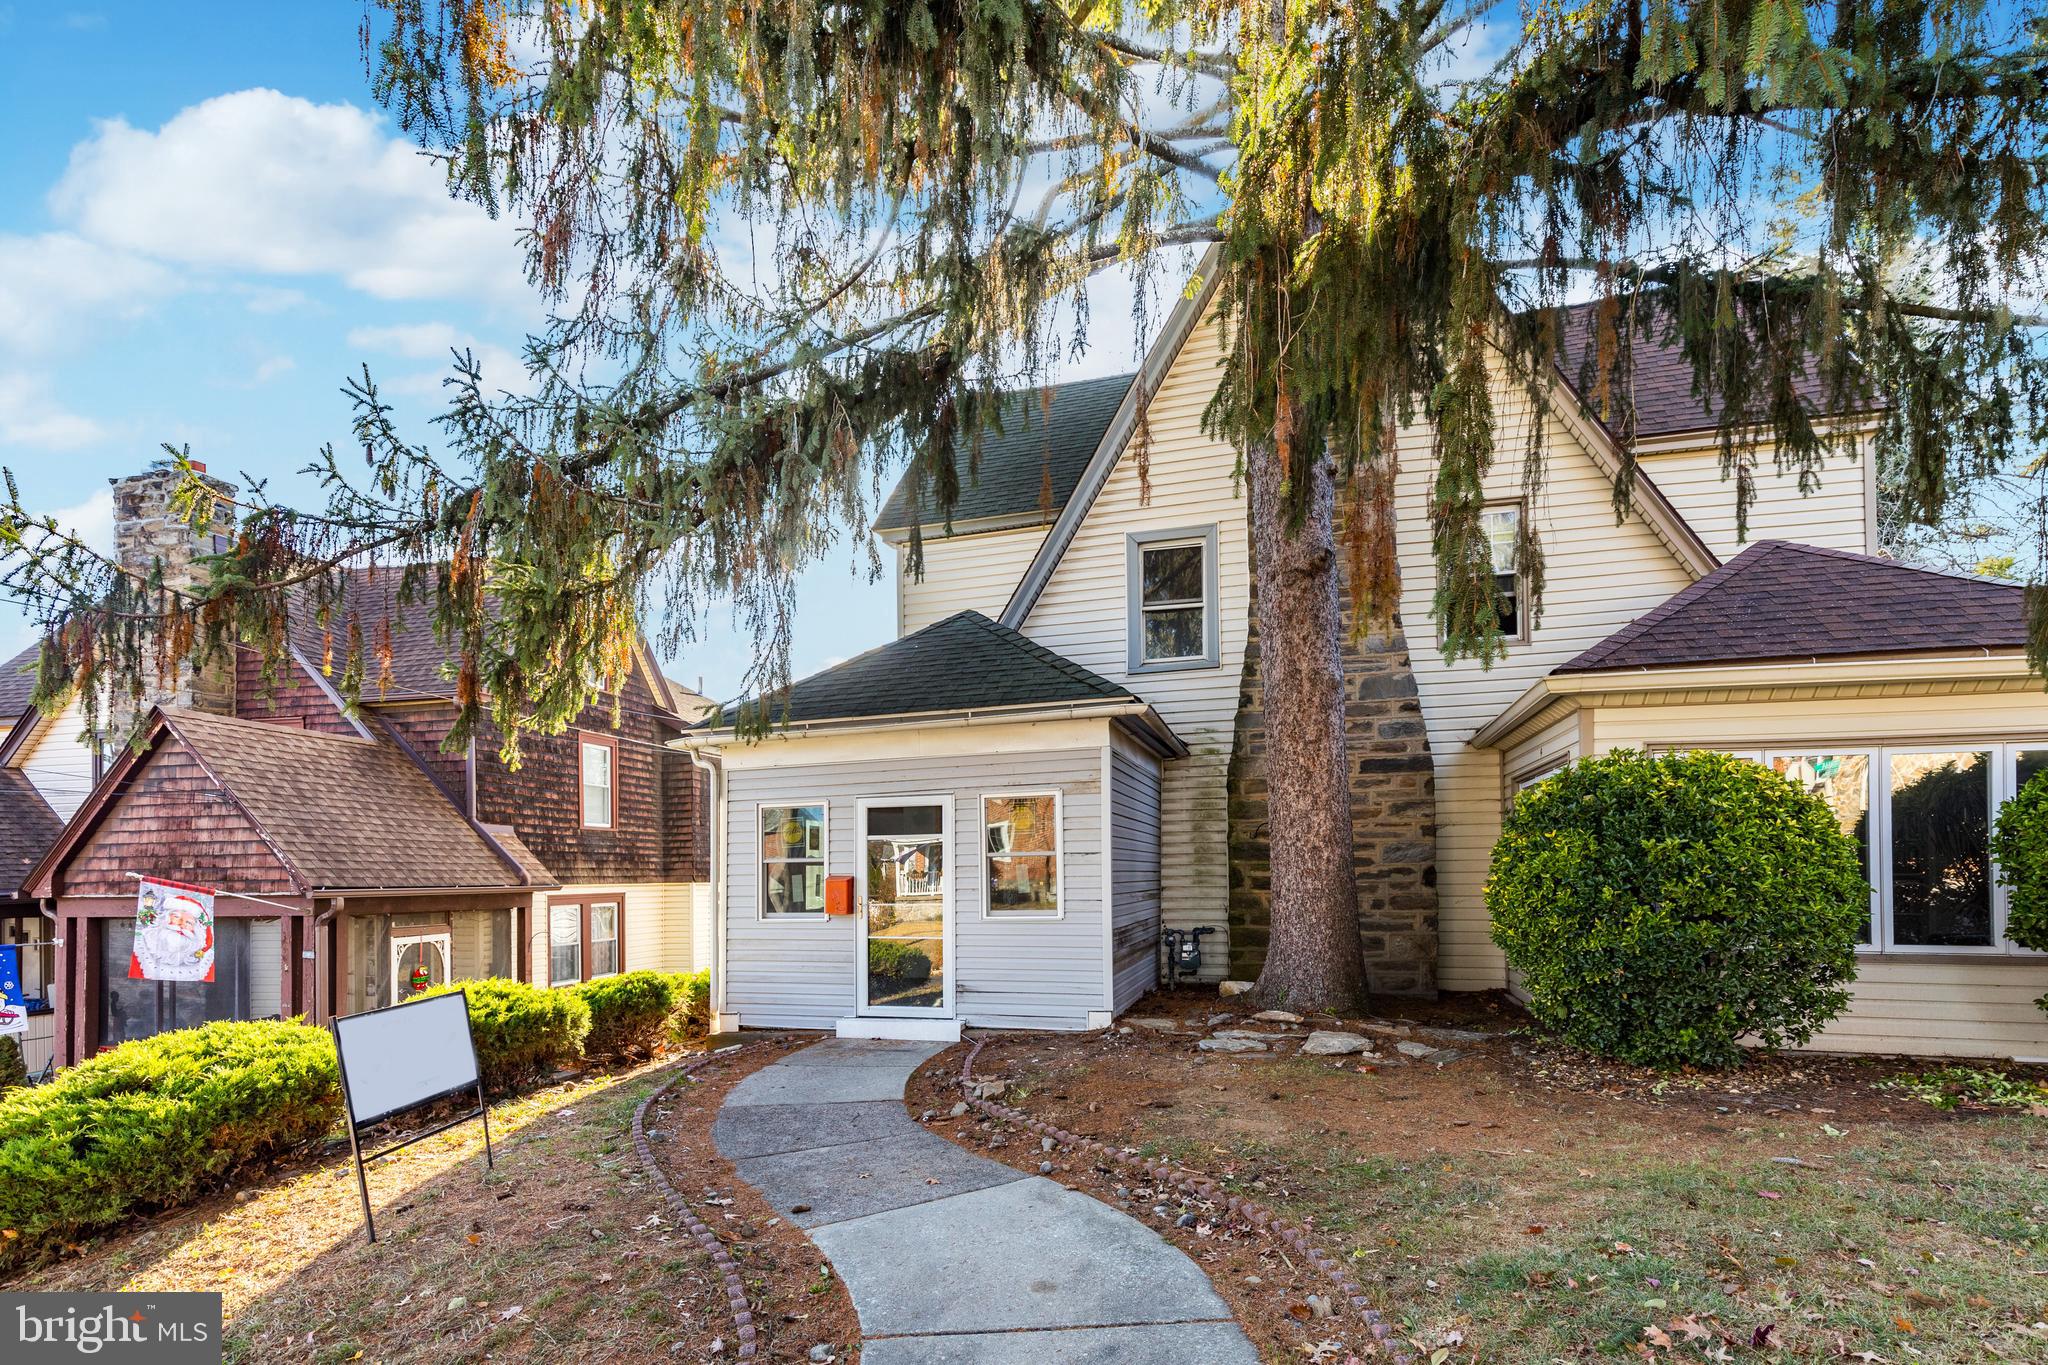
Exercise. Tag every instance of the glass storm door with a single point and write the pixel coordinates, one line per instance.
(903, 907)
(418, 962)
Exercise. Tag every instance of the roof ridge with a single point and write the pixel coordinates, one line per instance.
(1886, 562)
(183, 714)
(1670, 606)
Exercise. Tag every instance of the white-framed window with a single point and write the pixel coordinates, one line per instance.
(1171, 583)
(565, 944)
(604, 938)
(1921, 816)
(793, 859)
(1021, 855)
(598, 765)
(1501, 523)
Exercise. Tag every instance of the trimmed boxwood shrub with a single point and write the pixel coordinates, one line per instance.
(523, 1033)
(1661, 909)
(154, 1123)
(692, 1018)
(2019, 846)
(630, 1012)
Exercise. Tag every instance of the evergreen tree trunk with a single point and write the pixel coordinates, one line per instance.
(1315, 961)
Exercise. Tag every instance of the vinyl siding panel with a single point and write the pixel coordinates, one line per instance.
(1944, 1005)
(665, 928)
(800, 973)
(1835, 513)
(962, 573)
(57, 762)
(1134, 874)
(1553, 746)
(1081, 614)
(1600, 576)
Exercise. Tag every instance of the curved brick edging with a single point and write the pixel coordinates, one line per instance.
(1253, 1214)
(735, 1288)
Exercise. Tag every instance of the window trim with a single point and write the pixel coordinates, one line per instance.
(582, 903)
(1059, 855)
(1883, 942)
(1136, 543)
(762, 914)
(585, 741)
(555, 983)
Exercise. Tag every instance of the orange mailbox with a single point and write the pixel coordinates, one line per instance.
(838, 895)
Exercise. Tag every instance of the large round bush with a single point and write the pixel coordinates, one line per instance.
(1661, 909)
(2019, 846)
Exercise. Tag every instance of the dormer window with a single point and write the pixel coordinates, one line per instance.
(1172, 591)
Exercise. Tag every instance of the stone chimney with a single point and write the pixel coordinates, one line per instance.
(148, 532)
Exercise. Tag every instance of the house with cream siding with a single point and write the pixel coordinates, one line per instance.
(1101, 536)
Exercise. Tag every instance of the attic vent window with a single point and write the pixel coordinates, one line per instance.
(1172, 588)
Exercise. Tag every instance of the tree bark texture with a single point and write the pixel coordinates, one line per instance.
(1315, 961)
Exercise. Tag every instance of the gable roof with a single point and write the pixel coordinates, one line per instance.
(420, 668)
(27, 829)
(1033, 444)
(963, 663)
(341, 813)
(1782, 600)
(1660, 379)
(17, 683)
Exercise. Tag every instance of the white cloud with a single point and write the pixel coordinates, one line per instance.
(438, 342)
(272, 368)
(54, 285)
(29, 416)
(92, 521)
(266, 183)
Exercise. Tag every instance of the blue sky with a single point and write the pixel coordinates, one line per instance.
(205, 225)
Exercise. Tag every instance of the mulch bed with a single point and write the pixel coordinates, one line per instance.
(796, 1302)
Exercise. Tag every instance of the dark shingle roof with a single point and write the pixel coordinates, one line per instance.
(1661, 378)
(1780, 600)
(347, 813)
(17, 683)
(27, 829)
(963, 663)
(419, 661)
(1009, 480)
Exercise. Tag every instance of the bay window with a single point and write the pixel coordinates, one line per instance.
(1921, 818)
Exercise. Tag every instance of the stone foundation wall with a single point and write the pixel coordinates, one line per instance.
(1393, 818)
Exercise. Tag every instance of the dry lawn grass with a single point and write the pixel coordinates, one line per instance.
(564, 1252)
(1523, 1205)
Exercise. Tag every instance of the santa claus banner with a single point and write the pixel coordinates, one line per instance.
(173, 932)
(13, 1007)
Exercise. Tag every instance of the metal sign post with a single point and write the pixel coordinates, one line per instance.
(368, 1038)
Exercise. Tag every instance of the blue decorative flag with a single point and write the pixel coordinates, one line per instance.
(13, 1009)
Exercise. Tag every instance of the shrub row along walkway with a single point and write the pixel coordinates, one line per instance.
(950, 1257)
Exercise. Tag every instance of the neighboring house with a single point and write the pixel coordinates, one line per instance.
(1866, 679)
(356, 862)
(46, 769)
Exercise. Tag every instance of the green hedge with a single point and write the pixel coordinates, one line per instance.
(1661, 909)
(523, 1033)
(2019, 846)
(692, 1018)
(154, 1123)
(629, 1013)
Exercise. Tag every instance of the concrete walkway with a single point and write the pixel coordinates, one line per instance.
(953, 1259)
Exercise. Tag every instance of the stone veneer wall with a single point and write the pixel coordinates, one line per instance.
(147, 532)
(1393, 817)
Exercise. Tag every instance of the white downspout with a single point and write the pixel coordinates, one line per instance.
(709, 765)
